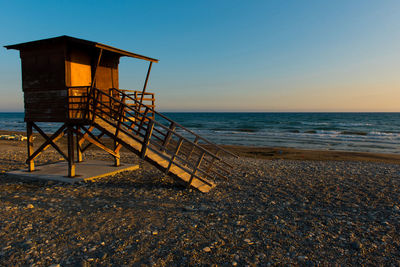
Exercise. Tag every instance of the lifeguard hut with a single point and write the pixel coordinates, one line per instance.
(75, 82)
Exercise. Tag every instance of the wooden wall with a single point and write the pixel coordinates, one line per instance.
(43, 83)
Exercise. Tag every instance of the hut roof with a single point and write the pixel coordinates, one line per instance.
(69, 39)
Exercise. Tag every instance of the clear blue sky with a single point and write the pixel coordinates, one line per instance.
(228, 55)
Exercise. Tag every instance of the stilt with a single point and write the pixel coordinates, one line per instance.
(29, 135)
(116, 150)
(78, 147)
(71, 163)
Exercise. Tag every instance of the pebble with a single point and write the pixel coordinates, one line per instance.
(189, 208)
(356, 245)
(30, 206)
(207, 249)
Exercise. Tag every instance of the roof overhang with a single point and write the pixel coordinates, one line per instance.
(70, 39)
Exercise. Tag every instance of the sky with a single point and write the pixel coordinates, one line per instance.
(266, 56)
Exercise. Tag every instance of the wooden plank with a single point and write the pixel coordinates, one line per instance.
(49, 140)
(146, 140)
(45, 93)
(145, 84)
(117, 147)
(78, 147)
(172, 127)
(195, 169)
(27, 119)
(196, 140)
(44, 105)
(71, 163)
(95, 69)
(96, 143)
(56, 136)
(45, 111)
(178, 146)
(82, 140)
(29, 135)
(49, 116)
(46, 99)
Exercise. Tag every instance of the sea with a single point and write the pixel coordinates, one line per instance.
(362, 132)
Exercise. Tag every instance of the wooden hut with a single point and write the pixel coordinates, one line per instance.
(57, 73)
(56, 68)
(75, 82)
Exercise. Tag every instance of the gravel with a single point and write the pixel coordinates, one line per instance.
(268, 212)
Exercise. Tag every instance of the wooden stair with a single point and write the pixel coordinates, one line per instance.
(164, 143)
(154, 156)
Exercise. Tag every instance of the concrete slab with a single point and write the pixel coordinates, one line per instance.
(86, 170)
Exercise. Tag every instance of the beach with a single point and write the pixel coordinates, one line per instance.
(279, 206)
(207, 133)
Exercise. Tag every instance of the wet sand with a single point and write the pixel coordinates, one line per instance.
(279, 206)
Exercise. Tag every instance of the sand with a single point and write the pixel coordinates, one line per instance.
(279, 206)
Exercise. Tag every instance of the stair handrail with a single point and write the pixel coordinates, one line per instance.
(179, 125)
(158, 123)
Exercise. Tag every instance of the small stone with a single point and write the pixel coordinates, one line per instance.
(234, 263)
(155, 233)
(30, 206)
(92, 249)
(55, 265)
(203, 208)
(356, 245)
(302, 258)
(188, 208)
(207, 249)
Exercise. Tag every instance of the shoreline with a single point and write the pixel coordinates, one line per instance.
(273, 153)
(305, 154)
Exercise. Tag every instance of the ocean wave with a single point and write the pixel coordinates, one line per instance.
(353, 133)
(353, 124)
(333, 123)
(246, 130)
(314, 123)
(385, 134)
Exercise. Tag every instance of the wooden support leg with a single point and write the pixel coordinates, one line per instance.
(147, 138)
(71, 163)
(29, 139)
(78, 148)
(117, 161)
